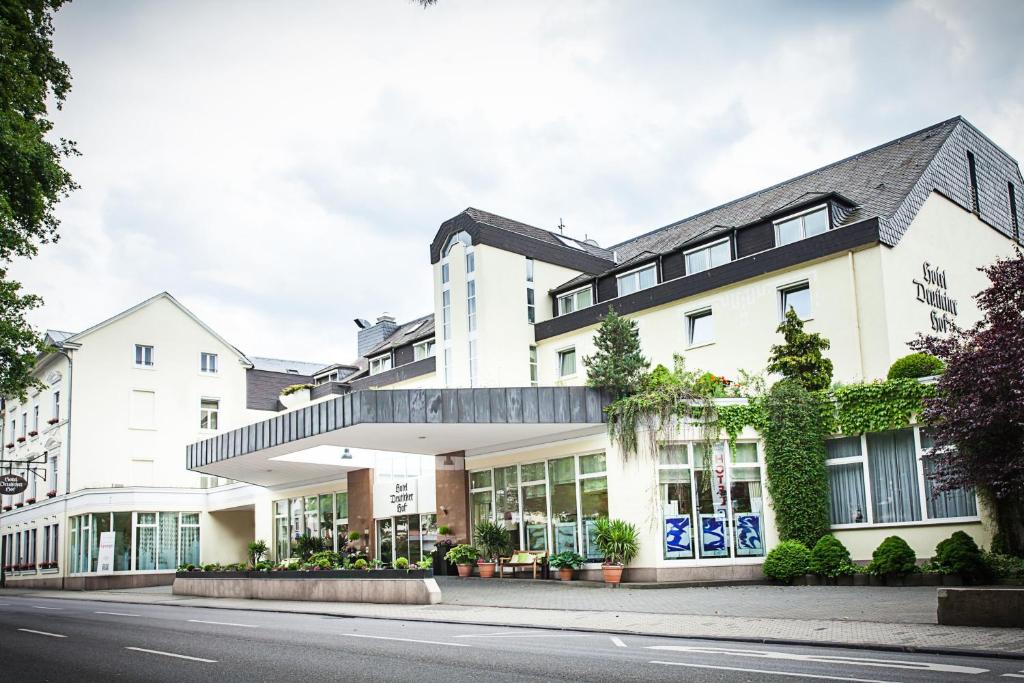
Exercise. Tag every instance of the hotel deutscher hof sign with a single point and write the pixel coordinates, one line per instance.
(11, 484)
(932, 290)
(392, 498)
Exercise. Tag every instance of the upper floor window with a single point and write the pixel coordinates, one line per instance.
(446, 314)
(209, 410)
(444, 274)
(574, 301)
(143, 356)
(35, 419)
(424, 349)
(807, 224)
(56, 407)
(24, 425)
(470, 262)
(208, 362)
(797, 297)
(380, 364)
(709, 256)
(638, 279)
(471, 305)
(700, 328)
(567, 362)
(972, 169)
(529, 269)
(531, 306)
(325, 378)
(533, 366)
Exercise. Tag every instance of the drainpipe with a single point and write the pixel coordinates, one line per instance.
(856, 313)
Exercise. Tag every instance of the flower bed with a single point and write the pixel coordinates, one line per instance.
(311, 574)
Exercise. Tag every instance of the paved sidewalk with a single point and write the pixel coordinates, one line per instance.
(849, 633)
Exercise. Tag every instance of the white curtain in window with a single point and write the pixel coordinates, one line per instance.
(168, 556)
(189, 543)
(892, 466)
(846, 493)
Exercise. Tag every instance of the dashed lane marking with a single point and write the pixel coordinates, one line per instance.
(42, 633)
(172, 654)
(792, 674)
(222, 623)
(618, 641)
(404, 640)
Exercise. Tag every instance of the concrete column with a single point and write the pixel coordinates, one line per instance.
(360, 507)
(452, 482)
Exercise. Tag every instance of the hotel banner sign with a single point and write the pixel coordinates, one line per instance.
(392, 497)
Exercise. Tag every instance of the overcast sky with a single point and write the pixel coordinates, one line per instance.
(282, 167)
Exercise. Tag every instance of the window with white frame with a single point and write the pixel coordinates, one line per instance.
(531, 306)
(575, 300)
(471, 305)
(24, 425)
(638, 279)
(56, 406)
(445, 273)
(470, 262)
(208, 413)
(710, 256)
(473, 370)
(447, 367)
(423, 349)
(880, 478)
(143, 541)
(331, 376)
(529, 269)
(567, 362)
(700, 327)
(54, 474)
(462, 237)
(35, 418)
(533, 366)
(800, 226)
(797, 297)
(324, 515)
(446, 314)
(208, 363)
(143, 356)
(380, 364)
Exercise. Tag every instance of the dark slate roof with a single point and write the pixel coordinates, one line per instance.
(877, 181)
(532, 232)
(279, 365)
(58, 336)
(414, 330)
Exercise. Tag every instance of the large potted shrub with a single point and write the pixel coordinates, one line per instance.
(960, 556)
(618, 541)
(830, 559)
(892, 560)
(566, 563)
(786, 561)
(463, 556)
(493, 541)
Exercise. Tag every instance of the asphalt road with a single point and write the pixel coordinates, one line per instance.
(62, 640)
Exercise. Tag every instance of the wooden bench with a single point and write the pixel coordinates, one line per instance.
(522, 559)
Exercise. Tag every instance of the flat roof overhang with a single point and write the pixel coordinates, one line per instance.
(421, 421)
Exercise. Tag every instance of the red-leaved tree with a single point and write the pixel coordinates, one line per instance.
(977, 415)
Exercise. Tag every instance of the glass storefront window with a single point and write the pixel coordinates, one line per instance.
(297, 525)
(190, 538)
(562, 478)
(506, 500)
(593, 506)
(401, 545)
(677, 513)
(533, 472)
(341, 505)
(145, 541)
(711, 480)
(384, 540)
(154, 541)
(535, 514)
(168, 553)
(100, 523)
(327, 518)
(593, 463)
(480, 480)
(428, 534)
(481, 507)
(282, 540)
(122, 528)
(313, 515)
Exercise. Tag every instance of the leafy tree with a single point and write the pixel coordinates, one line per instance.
(800, 357)
(618, 365)
(32, 179)
(977, 413)
(794, 436)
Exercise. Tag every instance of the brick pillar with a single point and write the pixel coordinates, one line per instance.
(452, 482)
(360, 507)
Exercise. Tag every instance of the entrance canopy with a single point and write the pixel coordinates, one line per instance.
(423, 421)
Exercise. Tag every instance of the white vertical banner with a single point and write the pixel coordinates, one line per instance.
(105, 561)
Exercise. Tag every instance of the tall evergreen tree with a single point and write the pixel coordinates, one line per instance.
(32, 179)
(800, 358)
(618, 364)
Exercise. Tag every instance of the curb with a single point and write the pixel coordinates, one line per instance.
(878, 647)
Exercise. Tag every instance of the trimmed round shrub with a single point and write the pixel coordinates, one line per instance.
(787, 560)
(893, 556)
(916, 365)
(959, 554)
(830, 558)
(401, 563)
(359, 564)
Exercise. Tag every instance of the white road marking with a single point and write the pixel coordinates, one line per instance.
(527, 635)
(222, 623)
(171, 654)
(1014, 675)
(41, 607)
(618, 641)
(825, 659)
(775, 673)
(118, 614)
(42, 633)
(404, 640)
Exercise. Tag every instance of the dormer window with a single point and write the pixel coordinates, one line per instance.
(380, 364)
(424, 349)
(802, 225)
(575, 300)
(638, 279)
(709, 256)
(325, 378)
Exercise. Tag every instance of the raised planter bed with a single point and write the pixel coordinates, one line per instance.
(382, 586)
(310, 574)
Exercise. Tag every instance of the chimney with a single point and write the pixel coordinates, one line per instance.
(374, 334)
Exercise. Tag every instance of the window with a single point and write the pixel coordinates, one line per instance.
(711, 256)
(955, 503)
(472, 363)
(446, 314)
(325, 378)
(208, 362)
(471, 305)
(35, 419)
(143, 356)
(56, 406)
(795, 228)
(54, 474)
(533, 366)
(143, 541)
(531, 306)
(574, 301)
(447, 367)
(529, 269)
(208, 410)
(380, 364)
(797, 297)
(444, 274)
(638, 279)
(1014, 220)
(470, 262)
(324, 515)
(972, 169)
(424, 349)
(460, 237)
(700, 328)
(24, 425)
(567, 362)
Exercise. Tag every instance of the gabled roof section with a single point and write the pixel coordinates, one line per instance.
(412, 331)
(877, 181)
(510, 235)
(57, 337)
(77, 338)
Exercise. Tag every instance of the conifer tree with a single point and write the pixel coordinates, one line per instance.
(618, 365)
(800, 358)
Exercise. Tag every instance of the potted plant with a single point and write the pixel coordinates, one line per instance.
(53, 421)
(566, 563)
(51, 493)
(29, 501)
(463, 556)
(618, 542)
(494, 542)
(33, 433)
(257, 551)
(18, 504)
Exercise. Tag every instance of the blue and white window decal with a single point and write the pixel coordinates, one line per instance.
(713, 536)
(678, 537)
(748, 534)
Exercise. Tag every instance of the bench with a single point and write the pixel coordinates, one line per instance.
(522, 559)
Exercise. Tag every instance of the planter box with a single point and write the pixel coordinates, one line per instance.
(407, 590)
(374, 574)
(874, 580)
(913, 579)
(812, 580)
